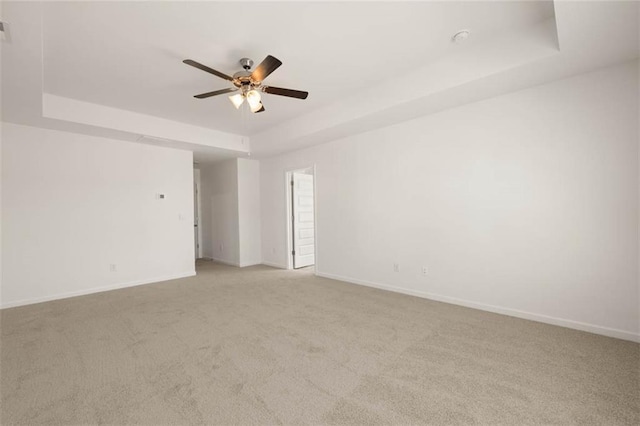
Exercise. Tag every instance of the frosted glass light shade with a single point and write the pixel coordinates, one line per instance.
(236, 100)
(253, 98)
(256, 108)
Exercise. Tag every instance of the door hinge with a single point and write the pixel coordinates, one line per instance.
(293, 252)
(291, 182)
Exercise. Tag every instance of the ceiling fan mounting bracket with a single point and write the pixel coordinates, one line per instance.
(246, 63)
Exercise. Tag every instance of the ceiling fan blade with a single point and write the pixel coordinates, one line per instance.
(215, 93)
(207, 69)
(266, 67)
(298, 94)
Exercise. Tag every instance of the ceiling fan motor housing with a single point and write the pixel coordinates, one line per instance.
(242, 78)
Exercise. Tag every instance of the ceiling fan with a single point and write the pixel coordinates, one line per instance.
(249, 83)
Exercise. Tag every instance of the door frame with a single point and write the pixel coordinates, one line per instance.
(197, 212)
(289, 212)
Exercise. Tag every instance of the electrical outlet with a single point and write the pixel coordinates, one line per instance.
(221, 247)
(273, 250)
(112, 267)
(425, 270)
(396, 267)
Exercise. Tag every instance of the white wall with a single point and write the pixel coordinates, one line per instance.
(220, 226)
(72, 205)
(1, 135)
(249, 211)
(231, 211)
(525, 204)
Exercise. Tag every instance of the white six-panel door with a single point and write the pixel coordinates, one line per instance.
(303, 220)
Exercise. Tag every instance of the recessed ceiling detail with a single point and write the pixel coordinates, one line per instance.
(62, 72)
(332, 50)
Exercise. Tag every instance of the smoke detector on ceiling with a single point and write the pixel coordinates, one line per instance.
(460, 36)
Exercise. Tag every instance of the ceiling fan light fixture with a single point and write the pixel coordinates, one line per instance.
(237, 100)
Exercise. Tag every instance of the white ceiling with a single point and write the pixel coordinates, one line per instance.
(129, 54)
(114, 69)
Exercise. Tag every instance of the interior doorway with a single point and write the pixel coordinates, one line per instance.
(197, 236)
(301, 213)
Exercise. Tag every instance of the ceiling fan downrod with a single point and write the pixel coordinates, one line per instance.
(246, 63)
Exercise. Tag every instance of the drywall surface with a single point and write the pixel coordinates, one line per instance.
(249, 211)
(1, 132)
(81, 214)
(220, 224)
(101, 116)
(524, 204)
(230, 199)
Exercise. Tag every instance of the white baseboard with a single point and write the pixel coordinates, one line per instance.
(250, 263)
(226, 262)
(576, 325)
(231, 263)
(68, 294)
(274, 265)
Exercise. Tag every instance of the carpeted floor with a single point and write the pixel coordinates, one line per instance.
(267, 346)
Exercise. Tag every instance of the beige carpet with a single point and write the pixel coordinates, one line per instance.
(266, 346)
